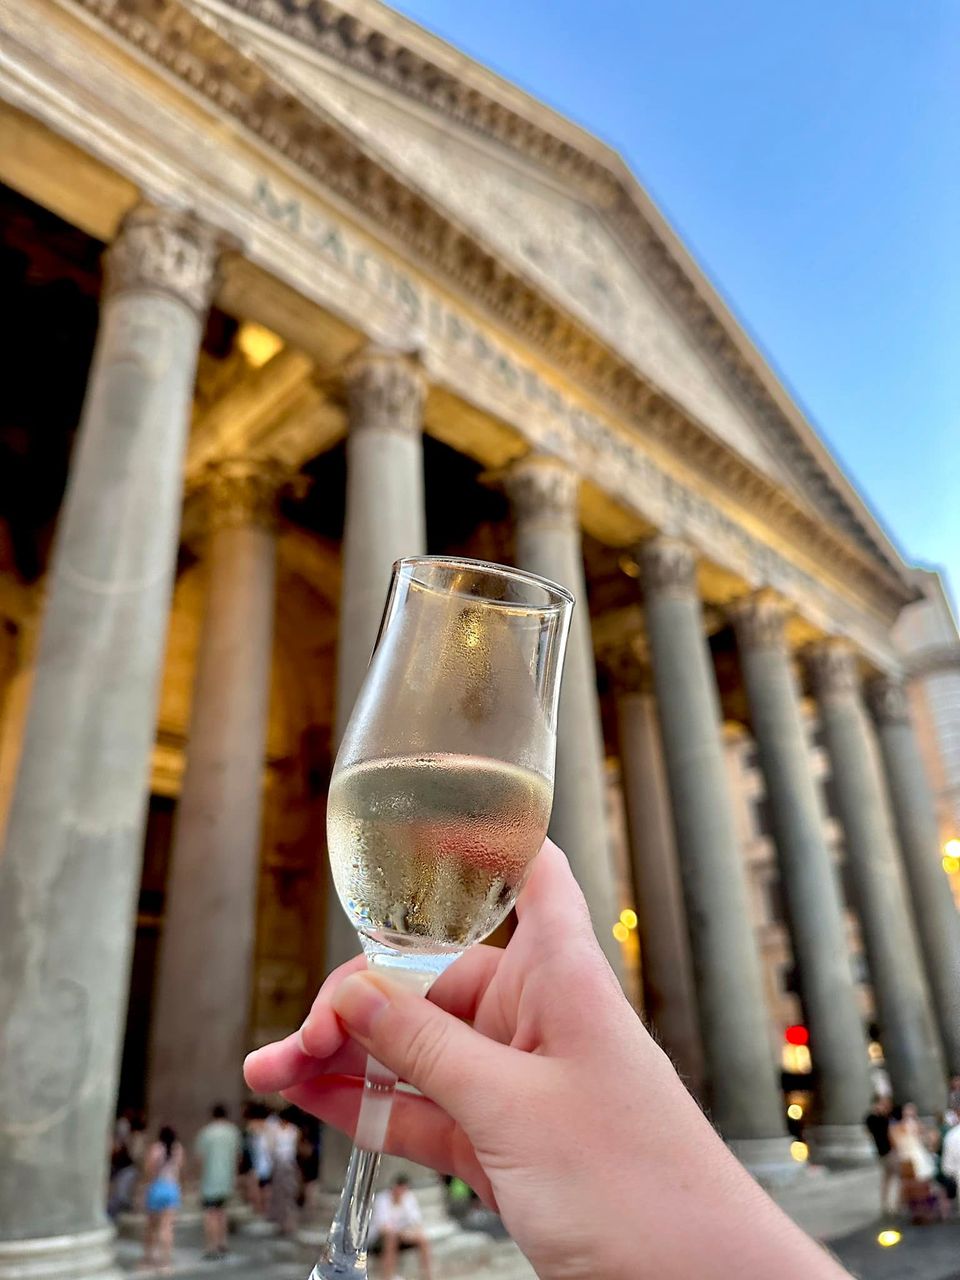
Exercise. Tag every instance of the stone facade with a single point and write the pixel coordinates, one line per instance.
(443, 319)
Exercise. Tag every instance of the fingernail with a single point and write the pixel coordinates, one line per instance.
(358, 1001)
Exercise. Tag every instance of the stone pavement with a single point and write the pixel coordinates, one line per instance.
(839, 1209)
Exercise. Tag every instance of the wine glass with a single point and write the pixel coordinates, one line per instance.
(439, 798)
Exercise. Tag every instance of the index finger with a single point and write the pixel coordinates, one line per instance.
(322, 1047)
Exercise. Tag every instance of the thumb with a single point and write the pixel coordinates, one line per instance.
(436, 1052)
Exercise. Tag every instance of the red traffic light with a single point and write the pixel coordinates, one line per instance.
(797, 1035)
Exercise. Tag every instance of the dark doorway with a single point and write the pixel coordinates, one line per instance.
(132, 1090)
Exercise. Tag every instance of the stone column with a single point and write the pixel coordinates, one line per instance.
(69, 876)
(385, 520)
(910, 1045)
(545, 497)
(935, 913)
(669, 995)
(811, 887)
(745, 1098)
(199, 1033)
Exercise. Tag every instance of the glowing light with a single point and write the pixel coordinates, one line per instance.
(258, 344)
(952, 847)
(628, 918)
(796, 1058)
(951, 863)
(621, 932)
(629, 566)
(797, 1035)
(888, 1238)
(800, 1151)
(795, 1111)
(875, 1051)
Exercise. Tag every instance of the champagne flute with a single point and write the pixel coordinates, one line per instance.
(439, 798)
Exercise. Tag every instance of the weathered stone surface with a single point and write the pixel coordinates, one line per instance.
(934, 910)
(547, 534)
(811, 887)
(199, 1034)
(743, 1088)
(910, 1043)
(69, 874)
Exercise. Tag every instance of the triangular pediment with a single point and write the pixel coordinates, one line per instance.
(572, 222)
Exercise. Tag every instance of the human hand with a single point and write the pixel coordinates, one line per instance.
(542, 1090)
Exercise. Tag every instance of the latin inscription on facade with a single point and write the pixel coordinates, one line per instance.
(550, 419)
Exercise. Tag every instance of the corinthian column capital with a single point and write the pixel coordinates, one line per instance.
(628, 670)
(833, 668)
(759, 621)
(544, 489)
(242, 492)
(668, 567)
(887, 699)
(385, 390)
(164, 251)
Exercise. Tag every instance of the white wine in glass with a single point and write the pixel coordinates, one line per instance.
(440, 797)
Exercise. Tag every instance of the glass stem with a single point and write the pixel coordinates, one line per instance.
(345, 1252)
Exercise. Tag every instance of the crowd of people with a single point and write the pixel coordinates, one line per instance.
(272, 1159)
(920, 1161)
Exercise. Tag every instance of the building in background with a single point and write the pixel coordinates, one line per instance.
(926, 635)
(299, 289)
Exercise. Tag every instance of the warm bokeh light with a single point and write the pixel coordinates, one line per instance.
(795, 1111)
(629, 566)
(621, 932)
(951, 864)
(796, 1058)
(952, 847)
(800, 1151)
(797, 1035)
(628, 918)
(875, 1051)
(258, 344)
(887, 1238)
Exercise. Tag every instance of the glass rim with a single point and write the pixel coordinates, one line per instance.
(565, 596)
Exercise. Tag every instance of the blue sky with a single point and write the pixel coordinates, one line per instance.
(809, 155)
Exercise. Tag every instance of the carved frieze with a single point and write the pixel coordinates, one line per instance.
(386, 391)
(164, 251)
(668, 567)
(330, 29)
(239, 85)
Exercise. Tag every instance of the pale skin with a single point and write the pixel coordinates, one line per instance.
(544, 1092)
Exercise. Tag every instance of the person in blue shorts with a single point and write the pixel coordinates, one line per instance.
(164, 1166)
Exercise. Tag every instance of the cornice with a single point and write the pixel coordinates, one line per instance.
(332, 30)
(229, 79)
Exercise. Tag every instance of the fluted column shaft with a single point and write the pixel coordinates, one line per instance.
(385, 519)
(811, 888)
(69, 877)
(910, 1045)
(545, 498)
(935, 913)
(200, 1029)
(669, 995)
(745, 1098)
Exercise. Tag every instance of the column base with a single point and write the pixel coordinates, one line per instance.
(767, 1159)
(86, 1255)
(841, 1146)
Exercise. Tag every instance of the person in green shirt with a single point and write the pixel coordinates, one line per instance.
(217, 1149)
